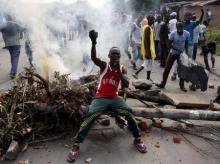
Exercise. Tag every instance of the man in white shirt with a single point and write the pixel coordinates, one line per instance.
(172, 22)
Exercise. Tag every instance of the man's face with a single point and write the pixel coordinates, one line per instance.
(179, 27)
(150, 20)
(188, 16)
(114, 58)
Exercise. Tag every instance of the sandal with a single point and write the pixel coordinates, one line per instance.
(73, 154)
(140, 146)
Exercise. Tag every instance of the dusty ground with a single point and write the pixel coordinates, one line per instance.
(115, 146)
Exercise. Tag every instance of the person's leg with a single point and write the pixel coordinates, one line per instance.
(162, 56)
(213, 60)
(190, 51)
(148, 64)
(173, 77)
(156, 48)
(169, 64)
(15, 53)
(135, 57)
(29, 53)
(205, 52)
(123, 109)
(181, 82)
(135, 75)
(95, 110)
(195, 50)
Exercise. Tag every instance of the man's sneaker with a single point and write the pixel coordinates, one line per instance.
(183, 89)
(213, 68)
(73, 154)
(159, 86)
(135, 75)
(12, 76)
(140, 146)
(173, 78)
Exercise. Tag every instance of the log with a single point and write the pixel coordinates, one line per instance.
(150, 95)
(142, 85)
(176, 114)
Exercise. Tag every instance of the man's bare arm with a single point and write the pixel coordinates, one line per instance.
(93, 36)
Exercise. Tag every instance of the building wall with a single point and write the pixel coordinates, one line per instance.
(214, 8)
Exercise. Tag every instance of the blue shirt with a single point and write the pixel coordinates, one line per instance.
(178, 41)
(189, 26)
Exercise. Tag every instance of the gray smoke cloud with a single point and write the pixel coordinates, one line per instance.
(50, 22)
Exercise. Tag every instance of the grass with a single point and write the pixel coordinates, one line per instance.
(213, 34)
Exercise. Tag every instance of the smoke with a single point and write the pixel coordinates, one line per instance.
(59, 31)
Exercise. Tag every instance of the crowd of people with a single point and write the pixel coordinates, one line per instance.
(165, 38)
(152, 37)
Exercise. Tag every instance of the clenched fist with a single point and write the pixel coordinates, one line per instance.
(93, 36)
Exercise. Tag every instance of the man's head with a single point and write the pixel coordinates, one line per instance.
(114, 55)
(173, 15)
(205, 23)
(188, 16)
(179, 27)
(150, 19)
(167, 18)
(159, 18)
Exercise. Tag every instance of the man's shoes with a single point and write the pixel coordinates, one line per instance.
(213, 68)
(192, 87)
(173, 78)
(183, 89)
(135, 75)
(134, 66)
(12, 76)
(140, 146)
(73, 154)
(160, 86)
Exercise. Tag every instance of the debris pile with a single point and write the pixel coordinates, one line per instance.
(35, 105)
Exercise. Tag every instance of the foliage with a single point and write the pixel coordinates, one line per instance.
(213, 34)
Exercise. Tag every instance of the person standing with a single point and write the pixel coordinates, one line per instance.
(178, 43)
(209, 16)
(189, 26)
(172, 22)
(156, 27)
(164, 41)
(135, 41)
(196, 33)
(11, 36)
(147, 48)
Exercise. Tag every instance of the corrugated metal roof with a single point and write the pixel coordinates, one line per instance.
(195, 3)
(203, 3)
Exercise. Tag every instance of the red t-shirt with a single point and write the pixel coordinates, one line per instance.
(109, 83)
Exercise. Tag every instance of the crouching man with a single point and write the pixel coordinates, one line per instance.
(107, 99)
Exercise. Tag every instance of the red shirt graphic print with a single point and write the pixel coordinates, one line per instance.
(109, 83)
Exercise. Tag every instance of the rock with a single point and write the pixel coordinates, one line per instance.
(211, 86)
(144, 124)
(23, 162)
(177, 139)
(88, 160)
(12, 151)
(214, 106)
(178, 125)
(139, 84)
(157, 145)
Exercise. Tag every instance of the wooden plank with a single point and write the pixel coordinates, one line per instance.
(185, 100)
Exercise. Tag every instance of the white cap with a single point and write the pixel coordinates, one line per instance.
(173, 14)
